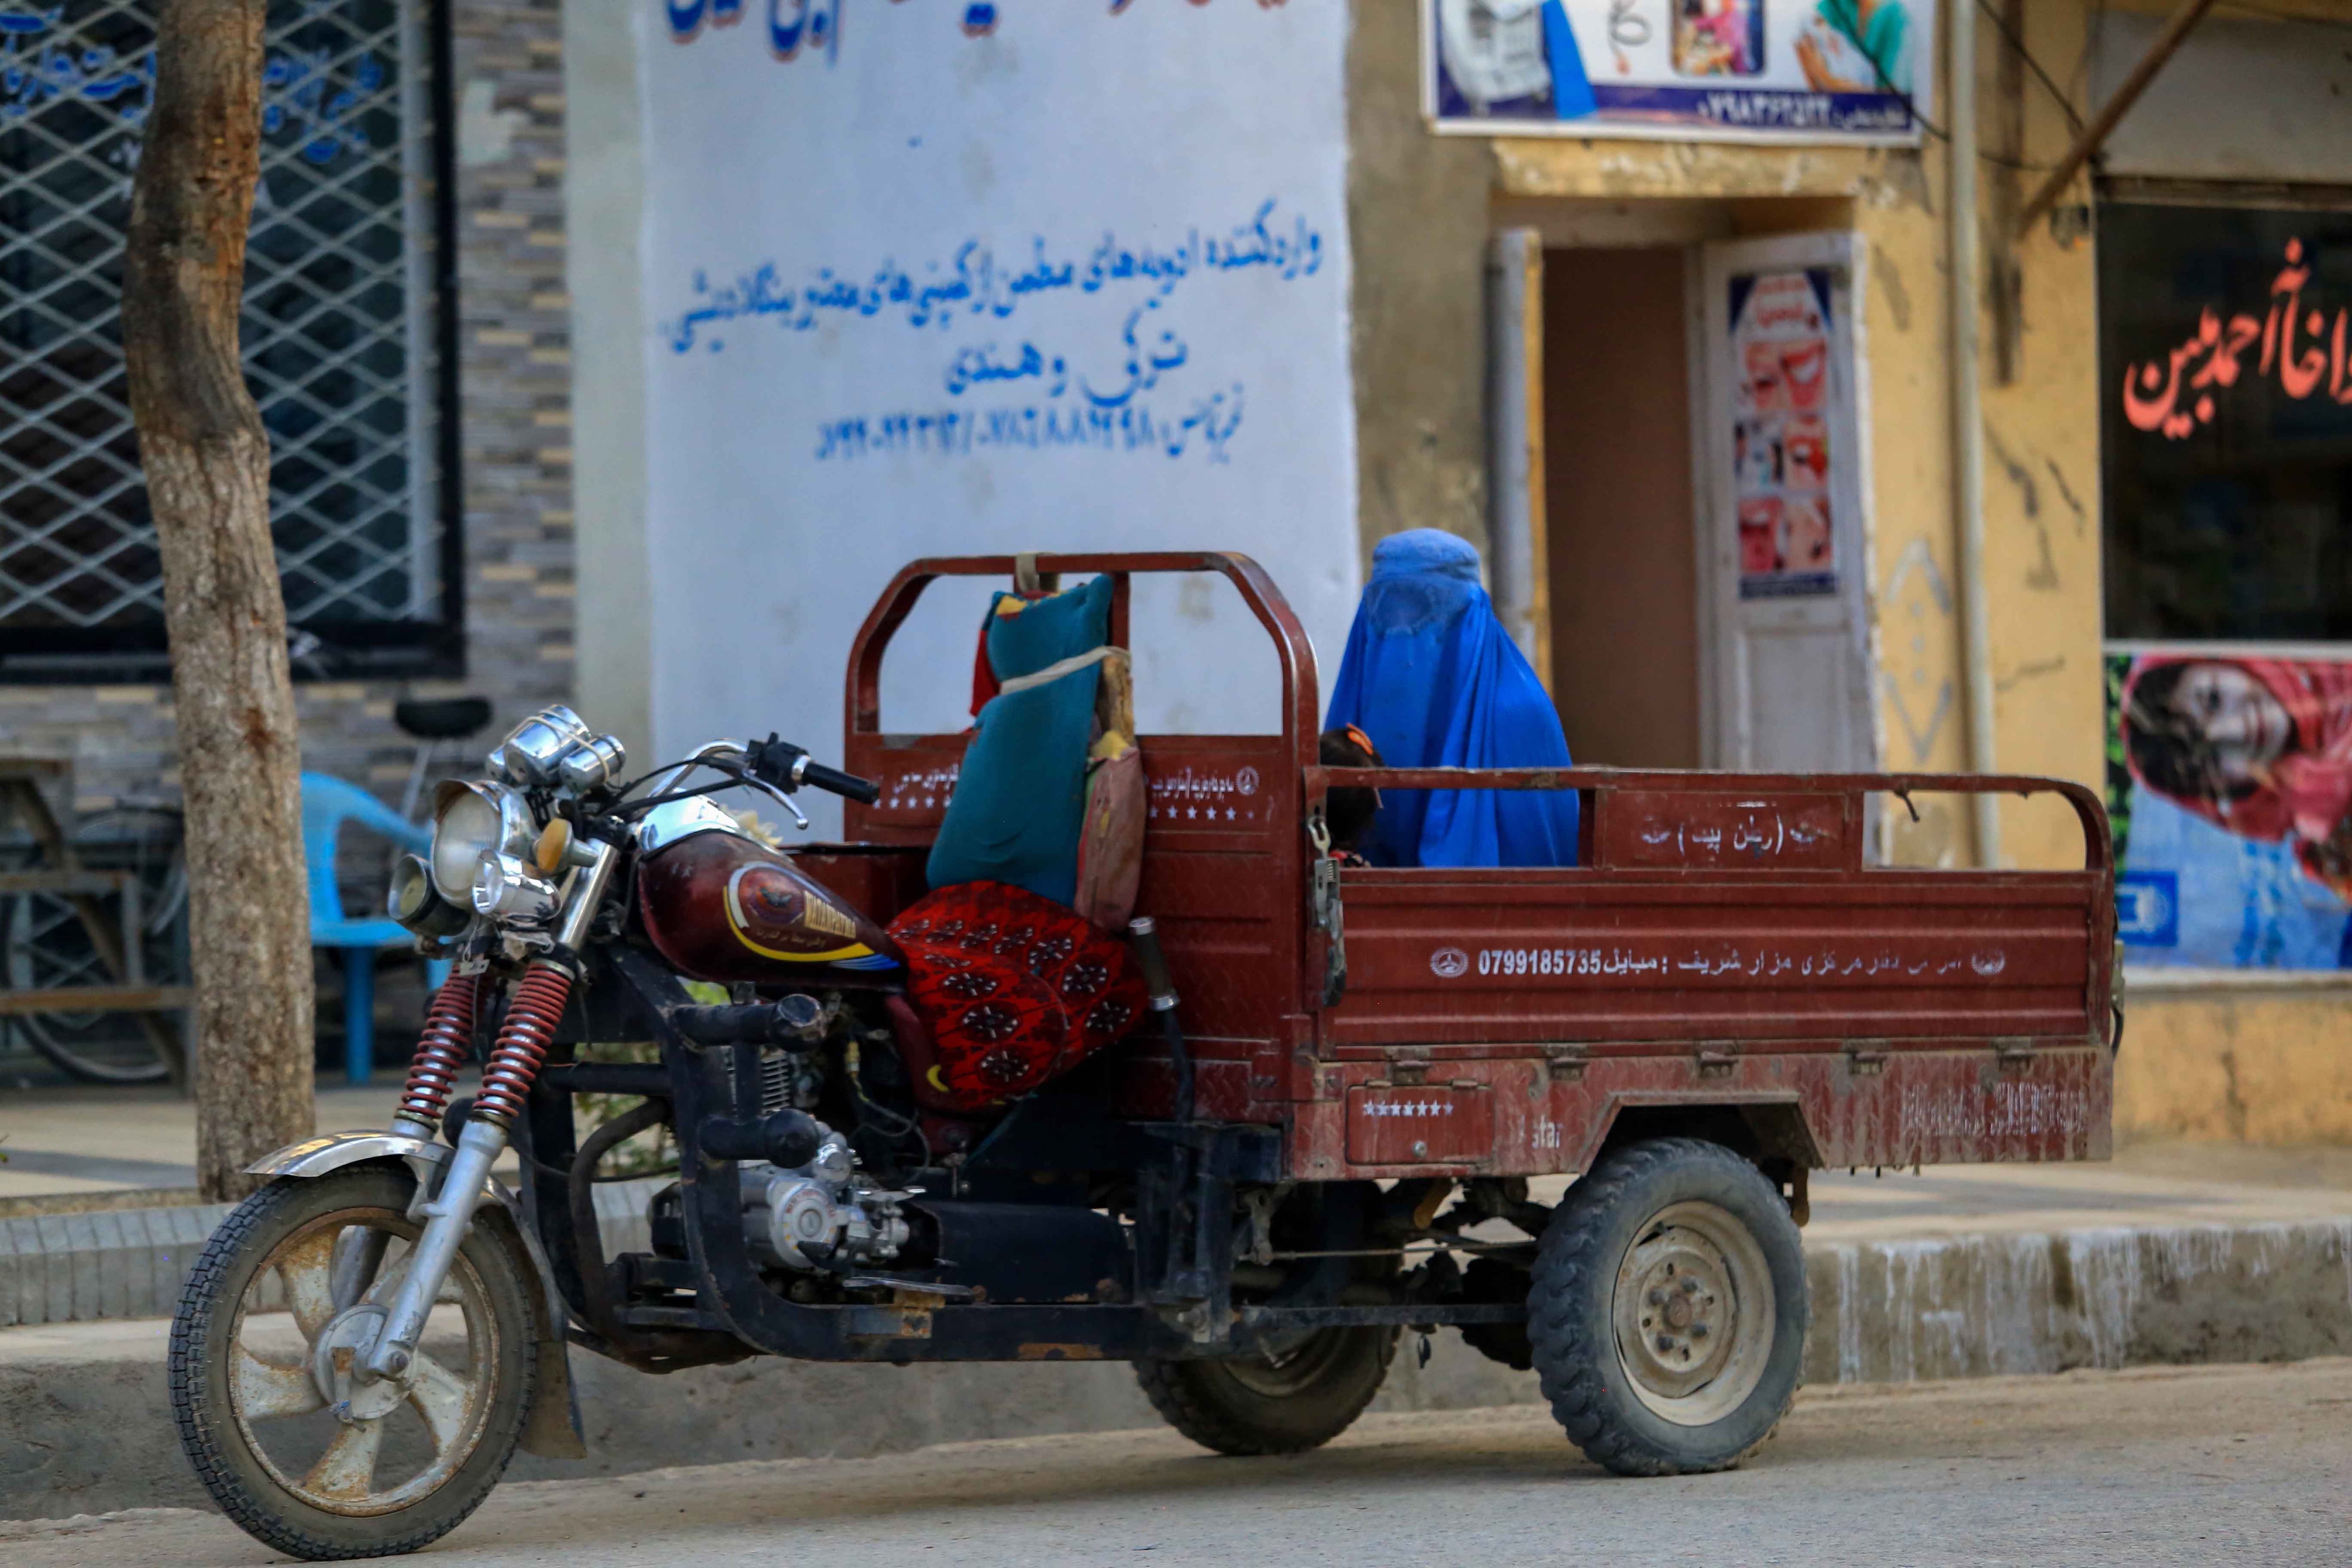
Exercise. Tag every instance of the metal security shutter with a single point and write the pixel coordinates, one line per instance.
(339, 332)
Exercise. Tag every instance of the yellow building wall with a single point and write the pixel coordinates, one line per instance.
(2265, 1067)
(1890, 198)
(2042, 449)
(2041, 423)
(2254, 1067)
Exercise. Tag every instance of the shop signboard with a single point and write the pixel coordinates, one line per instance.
(1781, 418)
(1723, 71)
(2230, 784)
(2227, 463)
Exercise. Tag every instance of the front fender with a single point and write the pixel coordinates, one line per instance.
(333, 1151)
(552, 1428)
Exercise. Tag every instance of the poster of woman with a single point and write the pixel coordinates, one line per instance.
(2231, 783)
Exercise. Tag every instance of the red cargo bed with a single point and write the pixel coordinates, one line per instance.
(1726, 950)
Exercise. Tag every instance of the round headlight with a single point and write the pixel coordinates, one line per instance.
(504, 889)
(414, 904)
(473, 823)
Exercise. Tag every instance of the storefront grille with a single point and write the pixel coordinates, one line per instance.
(338, 327)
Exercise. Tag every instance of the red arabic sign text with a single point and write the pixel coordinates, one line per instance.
(2174, 393)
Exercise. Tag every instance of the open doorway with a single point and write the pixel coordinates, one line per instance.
(1620, 542)
(1698, 494)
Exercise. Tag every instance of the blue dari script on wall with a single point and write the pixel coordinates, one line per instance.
(1061, 398)
(311, 92)
(972, 282)
(815, 25)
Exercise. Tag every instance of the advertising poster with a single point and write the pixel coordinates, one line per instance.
(1781, 416)
(2230, 784)
(1760, 70)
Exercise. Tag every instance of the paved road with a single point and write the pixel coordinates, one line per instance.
(2195, 1466)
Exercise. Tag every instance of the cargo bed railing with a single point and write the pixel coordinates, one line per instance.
(1300, 698)
(1662, 818)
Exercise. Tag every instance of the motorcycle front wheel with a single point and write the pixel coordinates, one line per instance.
(300, 1454)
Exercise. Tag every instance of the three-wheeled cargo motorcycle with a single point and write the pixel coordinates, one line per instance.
(1319, 1133)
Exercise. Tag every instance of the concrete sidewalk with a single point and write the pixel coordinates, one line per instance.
(2145, 1184)
(86, 1234)
(96, 1222)
(73, 1148)
(95, 1142)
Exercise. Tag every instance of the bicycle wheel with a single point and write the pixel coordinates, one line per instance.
(43, 944)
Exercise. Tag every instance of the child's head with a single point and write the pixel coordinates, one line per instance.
(1348, 813)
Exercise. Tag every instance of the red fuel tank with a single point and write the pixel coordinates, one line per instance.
(723, 907)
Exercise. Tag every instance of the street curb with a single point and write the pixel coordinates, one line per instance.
(1996, 1305)
(87, 1267)
(85, 1423)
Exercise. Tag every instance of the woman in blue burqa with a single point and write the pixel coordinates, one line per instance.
(1433, 678)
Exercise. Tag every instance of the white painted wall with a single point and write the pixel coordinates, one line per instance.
(847, 364)
(605, 196)
(2245, 99)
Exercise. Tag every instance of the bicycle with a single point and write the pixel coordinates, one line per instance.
(45, 941)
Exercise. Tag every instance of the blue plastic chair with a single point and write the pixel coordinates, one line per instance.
(328, 802)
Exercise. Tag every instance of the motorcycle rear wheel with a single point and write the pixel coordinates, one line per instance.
(373, 1470)
(1278, 1404)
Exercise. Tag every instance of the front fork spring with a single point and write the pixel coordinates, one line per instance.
(441, 1049)
(522, 1051)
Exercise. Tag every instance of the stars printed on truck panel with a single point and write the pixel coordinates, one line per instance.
(927, 790)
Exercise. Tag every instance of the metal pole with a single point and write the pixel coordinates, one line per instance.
(1967, 415)
(1515, 484)
(2095, 135)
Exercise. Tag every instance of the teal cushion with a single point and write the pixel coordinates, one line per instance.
(1021, 797)
(1048, 630)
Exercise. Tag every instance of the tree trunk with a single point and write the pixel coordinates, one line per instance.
(206, 459)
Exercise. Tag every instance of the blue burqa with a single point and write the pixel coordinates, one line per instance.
(1433, 678)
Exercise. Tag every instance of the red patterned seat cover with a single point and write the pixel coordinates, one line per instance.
(1013, 988)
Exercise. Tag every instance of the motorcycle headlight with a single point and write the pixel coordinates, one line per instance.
(504, 889)
(473, 823)
(414, 904)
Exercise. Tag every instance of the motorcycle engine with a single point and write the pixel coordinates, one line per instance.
(822, 1214)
